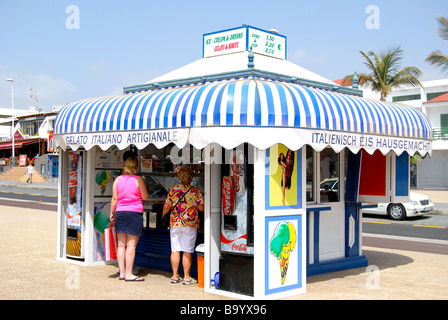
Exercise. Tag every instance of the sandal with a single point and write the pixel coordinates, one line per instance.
(189, 281)
(176, 280)
(137, 279)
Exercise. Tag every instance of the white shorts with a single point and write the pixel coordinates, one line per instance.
(183, 239)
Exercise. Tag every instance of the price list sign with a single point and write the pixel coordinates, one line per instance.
(267, 43)
(242, 39)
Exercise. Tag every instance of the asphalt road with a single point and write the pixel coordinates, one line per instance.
(29, 198)
(426, 227)
(32, 195)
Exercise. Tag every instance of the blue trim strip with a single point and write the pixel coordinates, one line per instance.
(316, 242)
(316, 225)
(351, 211)
(336, 265)
(402, 175)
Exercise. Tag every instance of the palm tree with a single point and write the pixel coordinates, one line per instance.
(385, 73)
(437, 57)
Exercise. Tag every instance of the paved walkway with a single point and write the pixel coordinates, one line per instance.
(30, 271)
(34, 185)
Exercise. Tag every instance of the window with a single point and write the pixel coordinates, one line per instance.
(30, 128)
(310, 186)
(159, 167)
(51, 125)
(432, 95)
(327, 174)
(406, 98)
(444, 120)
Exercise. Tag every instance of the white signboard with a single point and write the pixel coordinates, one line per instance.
(122, 139)
(225, 42)
(267, 43)
(241, 39)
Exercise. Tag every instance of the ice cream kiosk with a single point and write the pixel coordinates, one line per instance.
(285, 159)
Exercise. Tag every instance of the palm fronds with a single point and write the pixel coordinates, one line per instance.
(385, 73)
(438, 58)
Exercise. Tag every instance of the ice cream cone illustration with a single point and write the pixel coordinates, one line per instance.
(102, 179)
(281, 245)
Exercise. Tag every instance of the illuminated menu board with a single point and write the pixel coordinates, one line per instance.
(242, 39)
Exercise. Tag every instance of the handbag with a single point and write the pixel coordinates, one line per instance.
(165, 223)
(110, 244)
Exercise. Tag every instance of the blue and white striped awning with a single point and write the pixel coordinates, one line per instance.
(230, 112)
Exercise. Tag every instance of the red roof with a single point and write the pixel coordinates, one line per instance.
(443, 97)
(349, 82)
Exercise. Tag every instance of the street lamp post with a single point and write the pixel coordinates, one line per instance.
(12, 119)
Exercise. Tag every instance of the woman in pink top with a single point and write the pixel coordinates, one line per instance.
(126, 214)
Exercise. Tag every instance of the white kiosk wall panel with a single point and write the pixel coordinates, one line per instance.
(212, 225)
(331, 233)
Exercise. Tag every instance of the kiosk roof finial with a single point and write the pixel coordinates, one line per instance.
(251, 59)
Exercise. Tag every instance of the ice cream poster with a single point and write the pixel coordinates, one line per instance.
(104, 180)
(283, 178)
(100, 222)
(283, 253)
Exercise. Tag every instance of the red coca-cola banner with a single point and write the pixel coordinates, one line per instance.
(237, 175)
(228, 196)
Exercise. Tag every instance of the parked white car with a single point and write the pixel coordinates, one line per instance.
(418, 205)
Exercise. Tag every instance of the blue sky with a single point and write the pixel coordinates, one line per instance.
(121, 43)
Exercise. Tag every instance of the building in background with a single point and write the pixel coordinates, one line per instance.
(33, 132)
(432, 100)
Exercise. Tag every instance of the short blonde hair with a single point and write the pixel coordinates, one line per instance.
(185, 175)
(130, 166)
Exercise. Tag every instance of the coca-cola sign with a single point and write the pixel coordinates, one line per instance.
(237, 175)
(239, 247)
(228, 196)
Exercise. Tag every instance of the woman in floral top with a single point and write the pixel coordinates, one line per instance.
(184, 222)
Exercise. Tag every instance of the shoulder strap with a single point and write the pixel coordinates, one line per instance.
(181, 198)
(185, 193)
